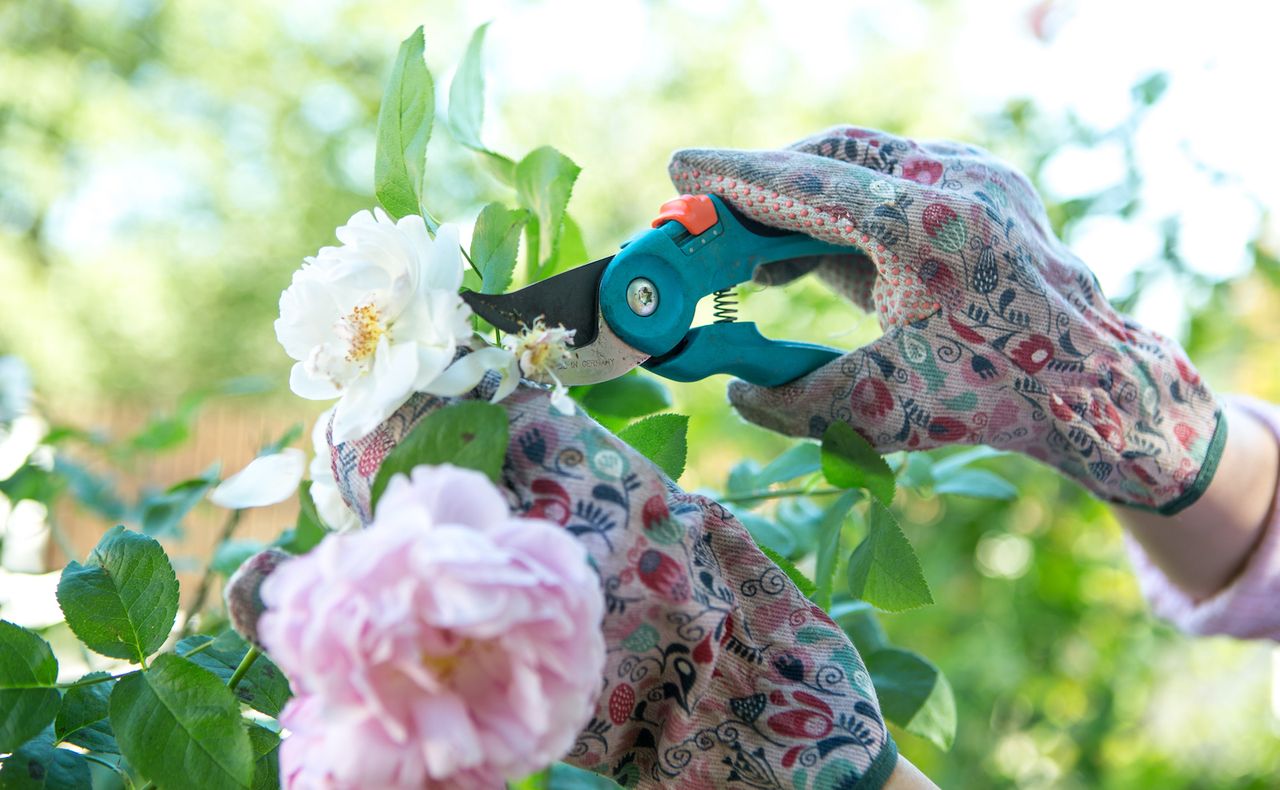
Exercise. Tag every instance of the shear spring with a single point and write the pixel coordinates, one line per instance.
(725, 306)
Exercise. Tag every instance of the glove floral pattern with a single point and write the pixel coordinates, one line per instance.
(995, 333)
(719, 671)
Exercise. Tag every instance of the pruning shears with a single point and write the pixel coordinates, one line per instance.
(636, 307)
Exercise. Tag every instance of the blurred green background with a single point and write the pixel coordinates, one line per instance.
(165, 166)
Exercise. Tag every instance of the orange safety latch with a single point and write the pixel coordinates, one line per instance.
(695, 212)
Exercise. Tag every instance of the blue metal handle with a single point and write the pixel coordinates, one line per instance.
(683, 268)
(740, 350)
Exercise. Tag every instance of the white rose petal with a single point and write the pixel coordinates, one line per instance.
(330, 506)
(463, 375)
(376, 319)
(267, 480)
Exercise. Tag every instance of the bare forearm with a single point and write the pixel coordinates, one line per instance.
(1202, 548)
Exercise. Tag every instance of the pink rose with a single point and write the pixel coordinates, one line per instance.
(449, 643)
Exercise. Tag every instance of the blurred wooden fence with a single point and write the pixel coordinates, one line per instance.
(224, 433)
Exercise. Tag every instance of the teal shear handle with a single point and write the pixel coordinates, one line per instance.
(698, 246)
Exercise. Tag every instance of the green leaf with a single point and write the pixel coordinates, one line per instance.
(163, 433)
(544, 181)
(466, 94)
(914, 694)
(945, 467)
(404, 127)
(571, 250)
(472, 282)
(38, 765)
(95, 492)
(82, 719)
(977, 483)
(829, 545)
(801, 517)
(859, 621)
(801, 459)
(470, 434)
(287, 438)
(28, 671)
(466, 108)
(263, 688)
(175, 721)
(662, 439)
(629, 396)
(500, 167)
(266, 757)
(494, 244)
(742, 478)
(309, 529)
(123, 600)
(34, 483)
(848, 461)
(914, 471)
(1149, 89)
(539, 781)
(244, 385)
(231, 554)
(884, 570)
(162, 514)
(766, 533)
(170, 431)
(803, 583)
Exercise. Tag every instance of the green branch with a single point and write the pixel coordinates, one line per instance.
(202, 592)
(243, 669)
(757, 496)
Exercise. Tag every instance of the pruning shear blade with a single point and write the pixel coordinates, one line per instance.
(572, 300)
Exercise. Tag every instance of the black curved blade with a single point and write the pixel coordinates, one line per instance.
(570, 299)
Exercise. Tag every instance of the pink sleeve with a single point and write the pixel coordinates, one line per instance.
(1249, 607)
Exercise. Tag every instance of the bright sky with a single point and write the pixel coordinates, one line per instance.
(1219, 113)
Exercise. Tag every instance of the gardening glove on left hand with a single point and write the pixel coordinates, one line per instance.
(994, 332)
(720, 671)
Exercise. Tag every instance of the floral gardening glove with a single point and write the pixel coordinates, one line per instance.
(995, 333)
(719, 672)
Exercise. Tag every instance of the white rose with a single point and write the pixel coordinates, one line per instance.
(377, 319)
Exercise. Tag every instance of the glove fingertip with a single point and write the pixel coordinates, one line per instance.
(243, 594)
(767, 408)
(742, 393)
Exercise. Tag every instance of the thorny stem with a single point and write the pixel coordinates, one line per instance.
(202, 592)
(757, 496)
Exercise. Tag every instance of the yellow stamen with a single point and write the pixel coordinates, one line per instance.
(443, 666)
(363, 329)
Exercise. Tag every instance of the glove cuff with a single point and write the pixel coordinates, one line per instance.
(1208, 468)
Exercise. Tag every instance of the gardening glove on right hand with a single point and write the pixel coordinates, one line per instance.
(994, 332)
